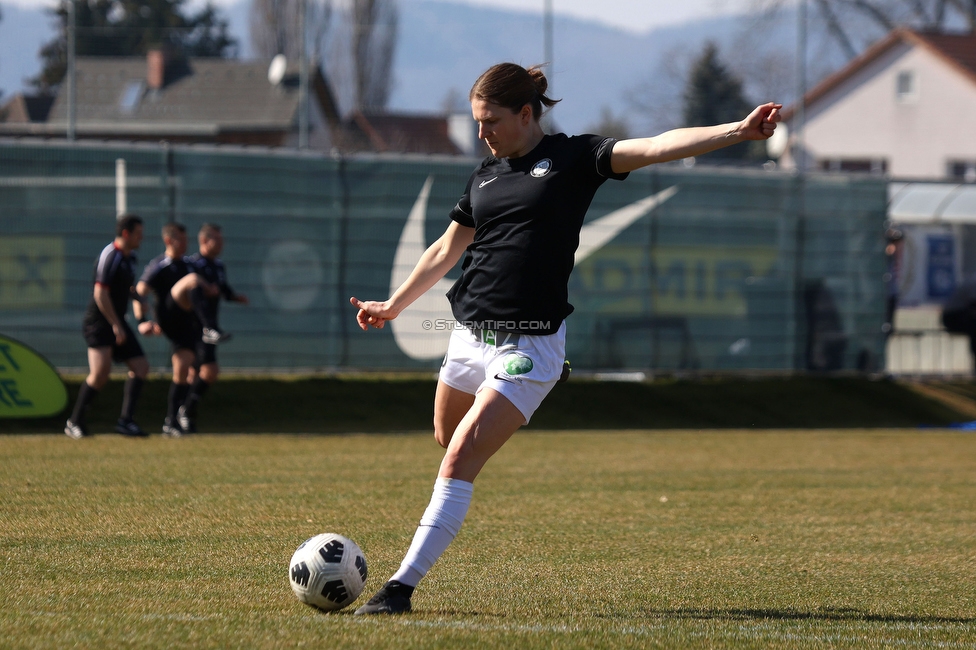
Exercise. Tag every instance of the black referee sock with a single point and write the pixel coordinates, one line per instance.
(85, 396)
(197, 391)
(204, 307)
(130, 396)
(177, 395)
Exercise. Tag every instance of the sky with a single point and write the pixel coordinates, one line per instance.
(632, 15)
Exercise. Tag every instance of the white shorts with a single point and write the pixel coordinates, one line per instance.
(522, 367)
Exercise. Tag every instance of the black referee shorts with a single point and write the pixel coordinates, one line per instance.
(99, 334)
(182, 329)
(206, 353)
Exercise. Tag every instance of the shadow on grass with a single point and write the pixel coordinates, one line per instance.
(828, 614)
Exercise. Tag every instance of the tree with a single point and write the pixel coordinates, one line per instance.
(854, 24)
(360, 53)
(129, 28)
(374, 37)
(614, 126)
(275, 26)
(713, 95)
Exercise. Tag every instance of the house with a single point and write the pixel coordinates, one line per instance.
(25, 109)
(220, 101)
(904, 108)
(397, 132)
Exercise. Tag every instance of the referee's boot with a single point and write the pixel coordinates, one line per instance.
(186, 420)
(75, 430)
(128, 427)
(214, 336)
(392, 598)
(172, 428)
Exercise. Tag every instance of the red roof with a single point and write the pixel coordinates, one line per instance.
(401, 133)
(957, 50)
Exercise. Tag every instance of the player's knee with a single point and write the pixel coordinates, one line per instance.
(209, 372)
(139, 368)
(442, 437)
(97, 378)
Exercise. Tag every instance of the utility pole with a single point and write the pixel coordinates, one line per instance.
(72, 95)
(799, 150)
(302, 77)
(547, 47)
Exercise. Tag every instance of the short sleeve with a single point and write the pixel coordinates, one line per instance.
(107, 267)
(462, 212)
(603, 153)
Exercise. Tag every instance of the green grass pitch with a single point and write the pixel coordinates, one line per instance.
(627, 539)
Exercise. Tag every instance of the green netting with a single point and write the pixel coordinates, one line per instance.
(732, 271)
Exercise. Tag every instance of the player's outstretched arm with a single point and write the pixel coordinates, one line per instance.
(433, 265)
(632, 154)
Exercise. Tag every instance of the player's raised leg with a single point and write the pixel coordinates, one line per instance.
(194, 294)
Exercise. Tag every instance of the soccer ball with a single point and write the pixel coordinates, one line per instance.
(328, 571)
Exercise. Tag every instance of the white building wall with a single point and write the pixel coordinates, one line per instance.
(918, 136)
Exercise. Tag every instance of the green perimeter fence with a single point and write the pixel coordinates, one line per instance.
(679, 269)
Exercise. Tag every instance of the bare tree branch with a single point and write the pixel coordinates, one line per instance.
(374, 38)
(274, 26)
(835, 28)
(875, 13)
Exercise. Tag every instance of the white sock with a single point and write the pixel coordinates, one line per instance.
(438, 527)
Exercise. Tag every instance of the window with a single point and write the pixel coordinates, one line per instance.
(906, 86)
(131, 95)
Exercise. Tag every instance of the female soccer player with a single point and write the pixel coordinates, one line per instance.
(518, 222)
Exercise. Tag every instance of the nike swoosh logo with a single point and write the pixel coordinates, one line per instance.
(598, 233)
(500, 378)
(409, 331)
(413, 339)
(483, 183)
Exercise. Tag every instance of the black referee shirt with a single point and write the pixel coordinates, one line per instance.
(214, 272)
(161, 274)
(527, 214)
(114, 270)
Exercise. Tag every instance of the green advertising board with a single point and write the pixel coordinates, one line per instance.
(30, 387)
(677, 269)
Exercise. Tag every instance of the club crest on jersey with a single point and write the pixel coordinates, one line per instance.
(541, 168)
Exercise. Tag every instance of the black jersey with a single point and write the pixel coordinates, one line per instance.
(161, 274)
(527, 214)
(113, 269)
(212, 271)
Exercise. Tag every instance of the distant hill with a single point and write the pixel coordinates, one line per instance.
(443, 46)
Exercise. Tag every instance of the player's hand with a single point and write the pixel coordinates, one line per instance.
(372, 313)
(119, 334)
(150, 328)
(761, 122)
(241, 298)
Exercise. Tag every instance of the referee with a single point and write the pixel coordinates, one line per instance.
(517, 225)
(108, 336)
(168, 276)
(205, 301)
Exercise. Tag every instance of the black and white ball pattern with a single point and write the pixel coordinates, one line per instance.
(328, 571)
